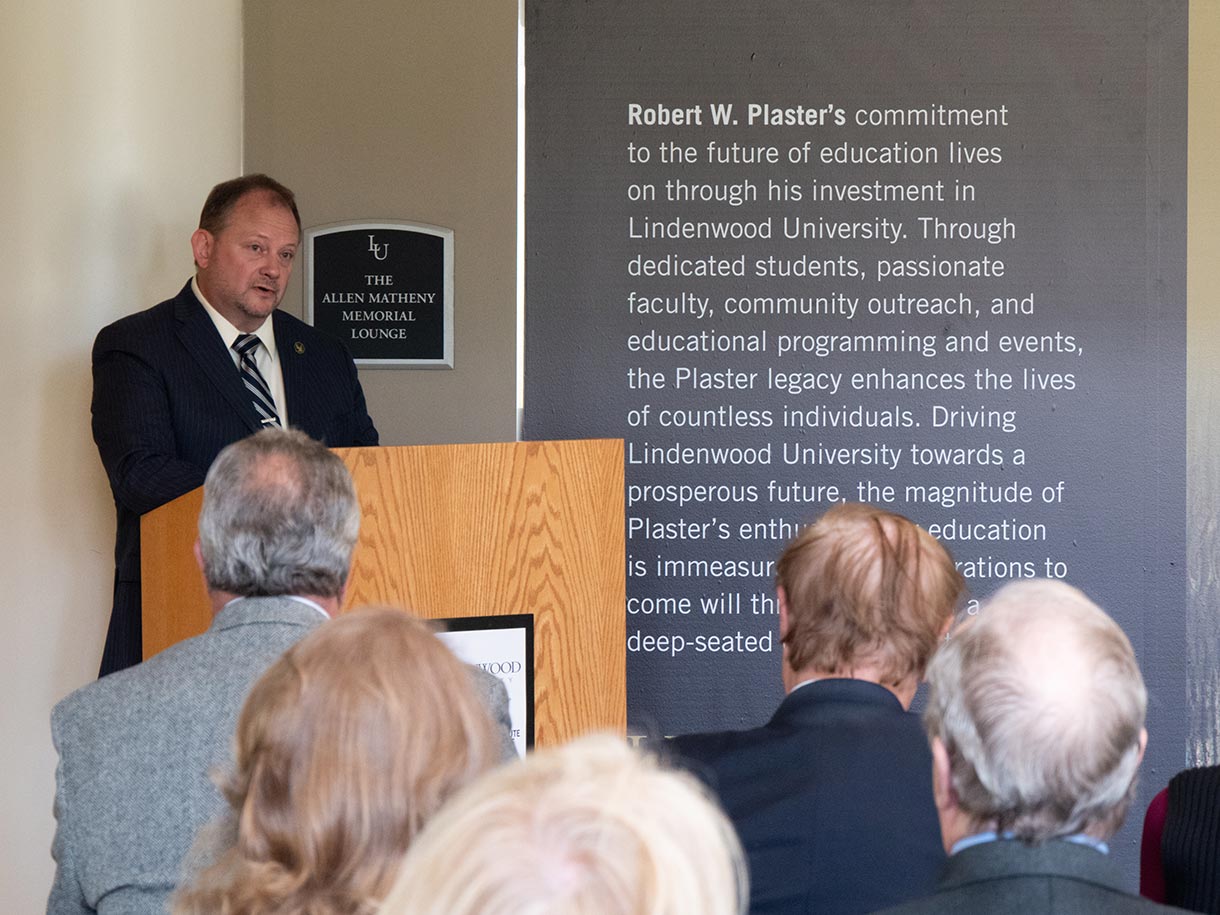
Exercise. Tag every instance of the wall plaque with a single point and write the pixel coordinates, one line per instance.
(385, 289)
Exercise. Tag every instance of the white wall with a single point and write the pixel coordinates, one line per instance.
(117, 119)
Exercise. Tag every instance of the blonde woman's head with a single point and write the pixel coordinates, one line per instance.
(591, 828)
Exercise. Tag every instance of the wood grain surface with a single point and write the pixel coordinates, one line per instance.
(466, 530)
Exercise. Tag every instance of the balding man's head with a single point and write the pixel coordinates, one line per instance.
(1039, 705)
(865, 586)
(279, 516)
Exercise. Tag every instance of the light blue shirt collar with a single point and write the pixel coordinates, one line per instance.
(982, 838)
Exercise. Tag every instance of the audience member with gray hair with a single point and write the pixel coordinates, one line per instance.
(1036, 720)
(276, 534)
(279, 517)
(590, 828)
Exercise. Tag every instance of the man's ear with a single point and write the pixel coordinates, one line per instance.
(781, 599)
(199, 555)
(942, 777)
(1143, 742)
(202, 242)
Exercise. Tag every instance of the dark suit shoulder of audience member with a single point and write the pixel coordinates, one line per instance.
(1011, 878)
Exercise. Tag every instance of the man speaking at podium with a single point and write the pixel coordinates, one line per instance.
(176, 383)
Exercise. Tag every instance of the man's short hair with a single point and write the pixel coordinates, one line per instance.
(589, 828)
(1040, 704)
(864, 584)
(279, 516)
(224, 197)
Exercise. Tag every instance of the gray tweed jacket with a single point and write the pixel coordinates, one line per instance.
(1010, 878)
(136, 750)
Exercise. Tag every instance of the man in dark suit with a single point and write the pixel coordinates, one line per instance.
(176, 383)
(276, 533)
(832, 797)
(1035, 713)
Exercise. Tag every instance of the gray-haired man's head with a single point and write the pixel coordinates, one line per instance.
(279, 517)
(1038, 707)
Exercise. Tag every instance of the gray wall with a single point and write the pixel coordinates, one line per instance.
(393, 110)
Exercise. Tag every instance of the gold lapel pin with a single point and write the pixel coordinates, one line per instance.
(299, 348)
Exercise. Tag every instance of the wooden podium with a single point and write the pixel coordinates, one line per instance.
(464, 530)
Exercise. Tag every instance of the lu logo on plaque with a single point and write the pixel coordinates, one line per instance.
(385, 289)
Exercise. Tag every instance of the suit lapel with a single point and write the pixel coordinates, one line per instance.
(198, 335)
(301, 384)
(289, 353)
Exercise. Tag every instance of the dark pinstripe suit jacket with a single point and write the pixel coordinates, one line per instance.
(167, 398)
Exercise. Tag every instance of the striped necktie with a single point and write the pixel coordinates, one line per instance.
(246, 345)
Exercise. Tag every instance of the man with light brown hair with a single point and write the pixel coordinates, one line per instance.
(832, 797)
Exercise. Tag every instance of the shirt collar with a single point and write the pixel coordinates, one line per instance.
(300, 600)
(229, 333)
(981, 838)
